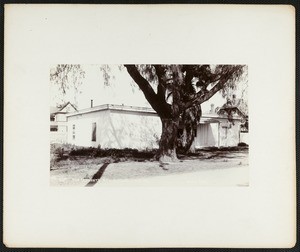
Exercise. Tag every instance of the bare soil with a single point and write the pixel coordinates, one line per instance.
(206, 167)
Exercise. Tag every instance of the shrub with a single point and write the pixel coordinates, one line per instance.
(81, 152)
(115, 153)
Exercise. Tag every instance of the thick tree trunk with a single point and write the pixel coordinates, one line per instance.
(189, 121)
(187, 139)
(168, 140)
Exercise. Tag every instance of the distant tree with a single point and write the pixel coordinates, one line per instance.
(68, 79)
(180, 91)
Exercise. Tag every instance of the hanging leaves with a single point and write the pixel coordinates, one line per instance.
(106, 72)
(67, 77)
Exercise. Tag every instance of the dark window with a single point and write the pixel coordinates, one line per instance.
(52, 118)
(73, 133)
(94, 128)
(244, 127)
(54, 128)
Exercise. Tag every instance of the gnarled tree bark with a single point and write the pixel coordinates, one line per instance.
(168, 140)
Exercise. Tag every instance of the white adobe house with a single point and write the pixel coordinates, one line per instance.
(119, 126)
(58, 122)
(114, 126)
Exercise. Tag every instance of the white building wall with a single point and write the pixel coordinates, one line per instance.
(217, 134)
(59, 136)
(135, 129)
(83, 128)
(244, 137)
(60, 117)
(229, 133)
(207, 135)
(115, 129)
(142, 130)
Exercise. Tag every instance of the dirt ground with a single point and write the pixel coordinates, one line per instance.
(206, 168)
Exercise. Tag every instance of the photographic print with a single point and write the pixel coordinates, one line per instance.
(149, 124)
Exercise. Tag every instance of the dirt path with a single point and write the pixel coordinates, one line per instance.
(97, 175)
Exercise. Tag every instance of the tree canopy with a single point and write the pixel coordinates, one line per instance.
(181, 89)
(189, 85)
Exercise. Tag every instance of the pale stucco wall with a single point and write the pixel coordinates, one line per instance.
(83, 128)
(229, 133)
(222, 134)
(115, 129)
(60, 117)
(244, 137)
(134, 130)
(59, 136)
(141, 130)
(207, 135)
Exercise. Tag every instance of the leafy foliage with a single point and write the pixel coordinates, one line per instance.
(64, 75)
(67, 77)
(106, 71)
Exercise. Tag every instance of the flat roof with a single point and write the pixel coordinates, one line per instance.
(113, 107)
(136, 109)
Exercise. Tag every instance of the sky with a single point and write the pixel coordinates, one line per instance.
(122, 90)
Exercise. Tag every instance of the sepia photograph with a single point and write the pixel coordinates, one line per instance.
(149, 124)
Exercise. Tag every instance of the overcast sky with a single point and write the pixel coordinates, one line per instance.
(122, 90)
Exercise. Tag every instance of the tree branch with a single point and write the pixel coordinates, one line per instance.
(161, 90)
(188, 79)
(159, 106)
(202, 97)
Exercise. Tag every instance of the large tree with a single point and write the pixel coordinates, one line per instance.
(181, 89)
